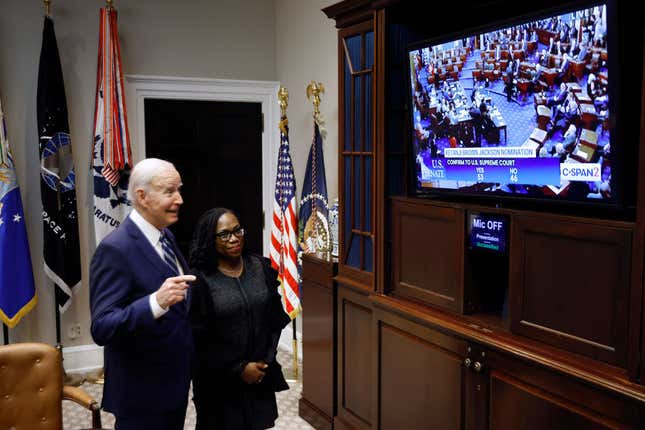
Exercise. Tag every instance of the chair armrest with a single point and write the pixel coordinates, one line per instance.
(80, 397)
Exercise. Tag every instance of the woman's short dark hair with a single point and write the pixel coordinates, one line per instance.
(202, 254)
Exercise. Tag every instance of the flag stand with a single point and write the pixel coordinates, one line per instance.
(293, 375)
(5, 333)
(295, 350)
(59, 345)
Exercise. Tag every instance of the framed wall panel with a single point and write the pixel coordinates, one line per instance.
(428, 254)
(571, 285)
(421, 376)
(355, 382)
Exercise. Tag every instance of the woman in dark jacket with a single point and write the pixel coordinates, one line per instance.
(237, 317)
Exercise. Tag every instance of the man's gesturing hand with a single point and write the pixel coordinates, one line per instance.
(173, 290)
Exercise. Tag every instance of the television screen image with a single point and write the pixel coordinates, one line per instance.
(519, 110)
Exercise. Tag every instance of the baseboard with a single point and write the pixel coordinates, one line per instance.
(86, 358)
(82, 358)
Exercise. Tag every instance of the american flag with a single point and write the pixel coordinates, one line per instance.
(284, 228)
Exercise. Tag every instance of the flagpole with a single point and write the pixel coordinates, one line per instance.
(59, 345)
(57, 311)
(295, 350)
(5, 333)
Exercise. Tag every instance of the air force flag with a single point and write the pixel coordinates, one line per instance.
(17, 293)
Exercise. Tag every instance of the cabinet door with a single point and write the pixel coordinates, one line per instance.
(428, 254)
(515, 405)
(571, 285)
(421, 376)
(529, 397)
(356, 162)
(355, 360)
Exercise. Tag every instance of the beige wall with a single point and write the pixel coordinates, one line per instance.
(306, 50)
(306, 43)
(199, 38)
(290, 41)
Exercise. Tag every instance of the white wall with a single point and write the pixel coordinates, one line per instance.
(290, 41)
(306, 50)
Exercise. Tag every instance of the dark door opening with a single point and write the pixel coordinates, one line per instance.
(217, 149)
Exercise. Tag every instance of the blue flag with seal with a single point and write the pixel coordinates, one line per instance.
(17, 292)
(313, 223)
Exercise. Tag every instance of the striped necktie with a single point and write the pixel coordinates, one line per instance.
(168, 254)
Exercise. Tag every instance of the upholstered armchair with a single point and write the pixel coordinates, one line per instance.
(31, 389)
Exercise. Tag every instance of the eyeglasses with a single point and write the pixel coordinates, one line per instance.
(225, 235)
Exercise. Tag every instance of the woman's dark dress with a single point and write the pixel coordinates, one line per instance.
(236, 320)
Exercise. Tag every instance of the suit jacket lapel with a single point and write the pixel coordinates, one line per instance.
(146, 249)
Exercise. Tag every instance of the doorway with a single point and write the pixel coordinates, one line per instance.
(142, 89)
(217, 148)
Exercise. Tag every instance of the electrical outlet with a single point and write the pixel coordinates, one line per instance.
(74, 331)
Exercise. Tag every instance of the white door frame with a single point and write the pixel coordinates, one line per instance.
(142, 87)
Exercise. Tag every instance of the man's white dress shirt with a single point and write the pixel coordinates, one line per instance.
(154, 237)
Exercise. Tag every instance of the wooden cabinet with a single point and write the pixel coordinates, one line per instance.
(431, 370)
(317, 405)
(561, 348)
(557, 293)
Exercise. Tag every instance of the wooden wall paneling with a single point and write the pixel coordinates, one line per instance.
(428, 254)
(317, 404)
(420, 375)
(570, 286)
(355, 355)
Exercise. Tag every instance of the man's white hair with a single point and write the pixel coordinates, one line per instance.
(144, 172)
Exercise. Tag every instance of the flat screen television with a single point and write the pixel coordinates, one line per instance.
(523, 109)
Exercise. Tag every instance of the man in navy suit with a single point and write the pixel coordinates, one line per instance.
(138, 291)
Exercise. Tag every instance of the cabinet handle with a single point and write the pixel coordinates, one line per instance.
(467, 362)
(477, 366)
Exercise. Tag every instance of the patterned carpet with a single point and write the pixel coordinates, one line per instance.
(75, 417)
